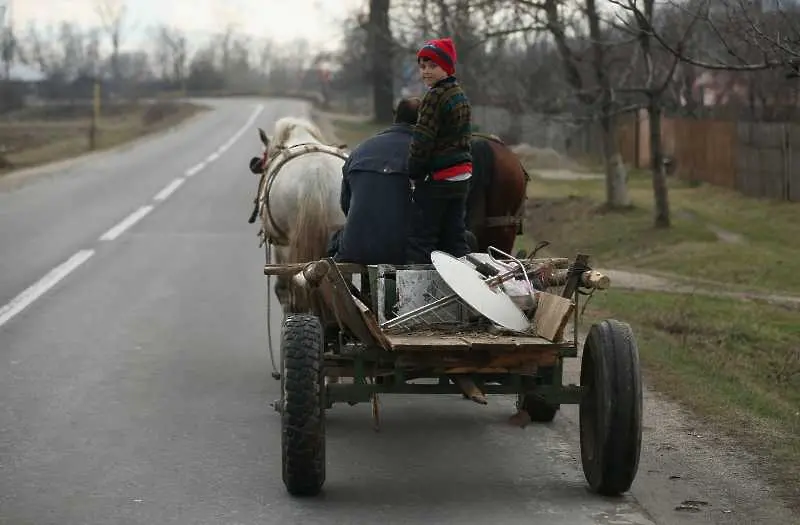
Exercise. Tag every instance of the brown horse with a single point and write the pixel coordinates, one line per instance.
(497, 194)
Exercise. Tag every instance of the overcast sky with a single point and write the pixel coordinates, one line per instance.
(319, 21)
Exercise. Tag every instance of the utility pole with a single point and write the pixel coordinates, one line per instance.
(95, 122)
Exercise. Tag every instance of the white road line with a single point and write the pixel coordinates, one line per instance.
(194, 170)
(251, 120)
(126, 223)
(36, 290)
(168, 190)
(244, 129)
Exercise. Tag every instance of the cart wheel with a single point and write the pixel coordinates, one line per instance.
(303, 414)
(538, 410)
(611, 408)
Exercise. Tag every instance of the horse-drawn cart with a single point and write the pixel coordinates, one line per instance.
(485, 324)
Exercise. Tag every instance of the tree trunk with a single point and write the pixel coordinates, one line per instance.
(513, 134)
(654, 95)
(616, 174)
(660, 194)
(381, 47)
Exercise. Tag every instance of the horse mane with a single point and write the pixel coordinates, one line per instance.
(286, 126)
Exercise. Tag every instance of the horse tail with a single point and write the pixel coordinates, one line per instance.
(309, 238)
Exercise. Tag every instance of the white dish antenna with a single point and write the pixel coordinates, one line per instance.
(470, 287)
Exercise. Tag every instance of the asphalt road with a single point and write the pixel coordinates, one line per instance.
(135, 383)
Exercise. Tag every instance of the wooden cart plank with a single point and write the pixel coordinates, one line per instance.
(446, 342)
(350, 311)
(488, 342)
(426, 342)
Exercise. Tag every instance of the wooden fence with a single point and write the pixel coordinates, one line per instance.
(758, 159)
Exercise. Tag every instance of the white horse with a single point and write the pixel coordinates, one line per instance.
(298, 199)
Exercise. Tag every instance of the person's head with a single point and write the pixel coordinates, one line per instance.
(407, 110)
(437, 60)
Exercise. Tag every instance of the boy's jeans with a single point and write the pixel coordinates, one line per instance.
(438, 220)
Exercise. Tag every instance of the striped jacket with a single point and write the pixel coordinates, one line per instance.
(441, 145)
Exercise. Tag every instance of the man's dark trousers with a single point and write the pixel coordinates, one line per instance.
(438, 220)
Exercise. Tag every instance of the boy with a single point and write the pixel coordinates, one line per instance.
(440, 159)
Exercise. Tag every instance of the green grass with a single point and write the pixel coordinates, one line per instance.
(353, 132)
(570, 216)
(734, 363)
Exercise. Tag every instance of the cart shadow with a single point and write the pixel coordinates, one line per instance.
(450, 490)
(451, 451)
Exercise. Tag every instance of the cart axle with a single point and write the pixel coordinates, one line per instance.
(363, 393)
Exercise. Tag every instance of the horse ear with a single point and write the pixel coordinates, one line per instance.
(263, 136)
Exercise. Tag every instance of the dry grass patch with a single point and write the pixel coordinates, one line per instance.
(49, 133)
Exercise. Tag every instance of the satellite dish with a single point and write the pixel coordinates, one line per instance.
(469, 285)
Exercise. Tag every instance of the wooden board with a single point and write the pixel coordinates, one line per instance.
(422, 342)
(350, 311)
(551, 317)
(465, 342)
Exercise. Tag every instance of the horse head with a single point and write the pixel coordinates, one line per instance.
(288, 132)
(291, 131)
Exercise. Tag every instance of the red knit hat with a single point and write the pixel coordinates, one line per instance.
(441, 52)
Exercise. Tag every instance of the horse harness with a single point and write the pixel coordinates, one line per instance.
(271, 166)
(506, 220)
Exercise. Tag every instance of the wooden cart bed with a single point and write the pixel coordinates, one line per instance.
(444, 342)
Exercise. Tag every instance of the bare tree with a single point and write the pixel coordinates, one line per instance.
(653, 85)
(596, 93)
(171, 53)
(381, 50)
(739, 35)
(112, 17)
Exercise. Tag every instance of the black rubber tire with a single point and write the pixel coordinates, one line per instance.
(302, 400)
(538, 410)
(611, 408)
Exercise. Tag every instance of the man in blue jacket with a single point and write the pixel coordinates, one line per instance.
(376, 195)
